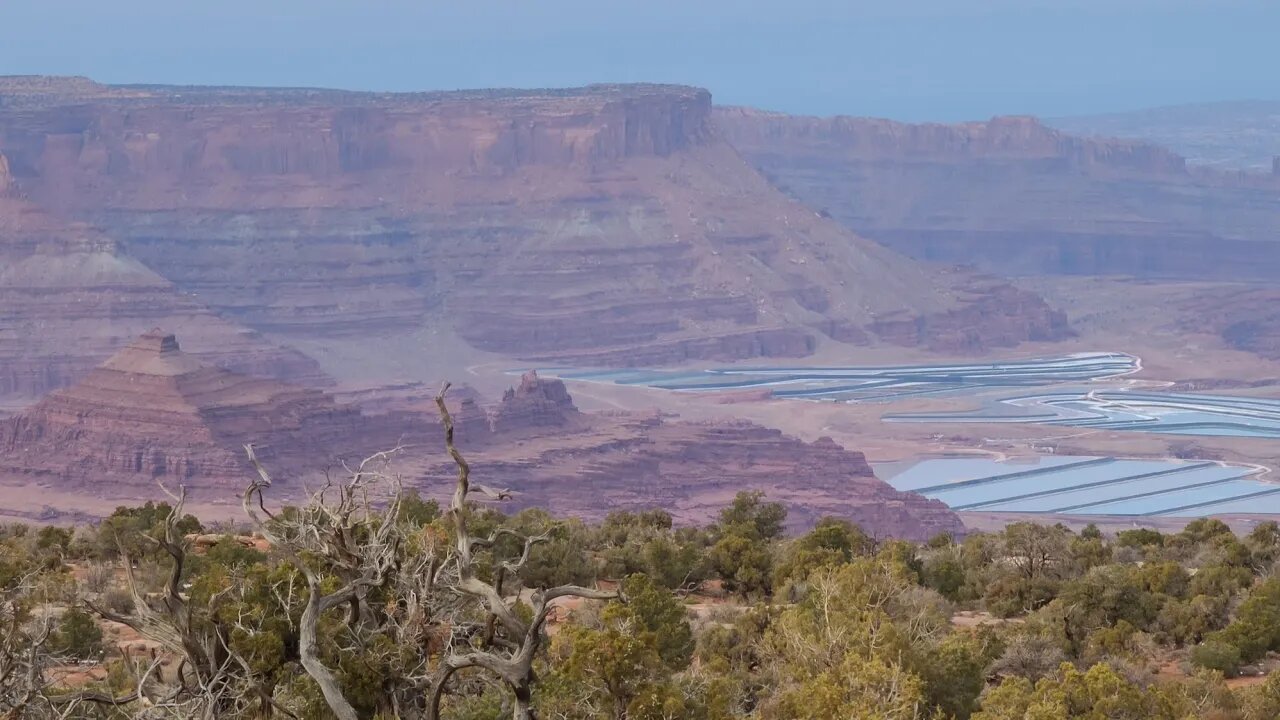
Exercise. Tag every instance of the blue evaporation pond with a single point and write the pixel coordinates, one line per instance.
(927, 473)
(1174, 413)
(1253, 505)
(1070, 476)
(1217, 430)
(870, 383)
(1088, 486)
(1082, 499)
(1189, 502)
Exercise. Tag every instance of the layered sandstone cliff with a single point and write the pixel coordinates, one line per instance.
(69, 299)
(153, 413)
(601, 225)
(1017, 197)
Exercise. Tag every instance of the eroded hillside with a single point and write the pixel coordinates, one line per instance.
(602, 225)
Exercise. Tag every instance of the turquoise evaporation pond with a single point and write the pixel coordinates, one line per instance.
(1088, 486)
(1175, 413)
(870, 383)
(1072, 405)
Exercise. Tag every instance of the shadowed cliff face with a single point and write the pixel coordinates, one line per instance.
(603, 225)
(1016, 197)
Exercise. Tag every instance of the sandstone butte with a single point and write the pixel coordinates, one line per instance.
(600, 225)
(152, 413)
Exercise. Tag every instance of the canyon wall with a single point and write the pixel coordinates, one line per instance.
(69, 298)
(1016, 197)
(600, 225)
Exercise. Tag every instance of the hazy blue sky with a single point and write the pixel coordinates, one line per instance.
(909, 59)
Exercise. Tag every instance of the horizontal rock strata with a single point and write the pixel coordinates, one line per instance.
(587, 465)
(153, 413)
(601, 225)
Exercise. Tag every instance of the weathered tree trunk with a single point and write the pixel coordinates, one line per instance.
(523, 709)
(318, 671)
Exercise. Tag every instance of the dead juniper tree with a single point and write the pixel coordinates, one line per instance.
(511, 648)
(347, 552)
(422, 605)
(210, 680)
(24, 649)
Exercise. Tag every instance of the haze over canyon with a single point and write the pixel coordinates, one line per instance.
(326, 258)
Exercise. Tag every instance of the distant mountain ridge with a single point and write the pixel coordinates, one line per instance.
(1017, 197)
(1235, 135)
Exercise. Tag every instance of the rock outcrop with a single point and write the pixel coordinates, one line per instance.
(535, 403)
(1245, 318)
(1016, 197)
(600, 225)
(999, 315)
(153, 413)
(612, 462)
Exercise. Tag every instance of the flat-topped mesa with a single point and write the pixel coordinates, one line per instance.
(152, 412)
(163, 135)
(1006, 137)
(38, 87)
(535, 403)
(156, 342)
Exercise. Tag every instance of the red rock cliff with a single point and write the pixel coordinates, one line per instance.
(69, 298)
(174, 147)
(601, 225)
